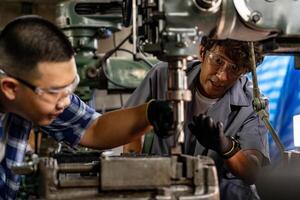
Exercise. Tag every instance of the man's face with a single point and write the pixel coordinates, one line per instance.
(218, 73)
(57, 81)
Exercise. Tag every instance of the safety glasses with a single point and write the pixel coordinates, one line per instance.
(52, 91)
(219, 62)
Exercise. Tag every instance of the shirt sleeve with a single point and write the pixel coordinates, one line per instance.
(71, 124)
(254, 135)
(152, 87)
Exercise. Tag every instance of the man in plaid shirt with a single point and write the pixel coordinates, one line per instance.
(37, 78)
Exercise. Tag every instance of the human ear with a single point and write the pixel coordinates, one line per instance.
(9, 87)
(201, 53)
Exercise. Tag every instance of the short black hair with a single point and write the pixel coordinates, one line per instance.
(237, 51)
(28, 40)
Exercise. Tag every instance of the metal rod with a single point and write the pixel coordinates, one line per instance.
(179, 93)
(276, 139)
(260, 111)
(134, 26)
(76, 167)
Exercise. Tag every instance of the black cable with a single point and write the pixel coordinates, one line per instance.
(126, 50)
(141, 51)
(111, 52)
(137, 59)
(143, 54)
(112, 81)
(104, 67)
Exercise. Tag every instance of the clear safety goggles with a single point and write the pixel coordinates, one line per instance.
(67, 90)
(219, 62)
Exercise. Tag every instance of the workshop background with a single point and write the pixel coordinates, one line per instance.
(277, 78)
(10, 9)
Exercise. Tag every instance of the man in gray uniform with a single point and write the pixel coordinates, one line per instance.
(223, 94)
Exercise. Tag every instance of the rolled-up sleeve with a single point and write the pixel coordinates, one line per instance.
(153, 86)
(254, 135)
(71, 124)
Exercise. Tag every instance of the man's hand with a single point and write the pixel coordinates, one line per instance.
(160, 115)
(211, 136)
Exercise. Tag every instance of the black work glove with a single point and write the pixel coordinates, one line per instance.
(160, 115)
(211, 136)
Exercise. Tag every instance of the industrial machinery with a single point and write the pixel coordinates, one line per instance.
(170, 30)
(245, 20)
(84, 23)
(176, 177)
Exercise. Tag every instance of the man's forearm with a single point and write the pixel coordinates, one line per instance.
(245, 164)
(117, 128)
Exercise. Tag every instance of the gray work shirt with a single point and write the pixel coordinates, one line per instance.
(234, 110)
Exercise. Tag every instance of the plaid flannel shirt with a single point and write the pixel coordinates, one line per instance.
(68, 127)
